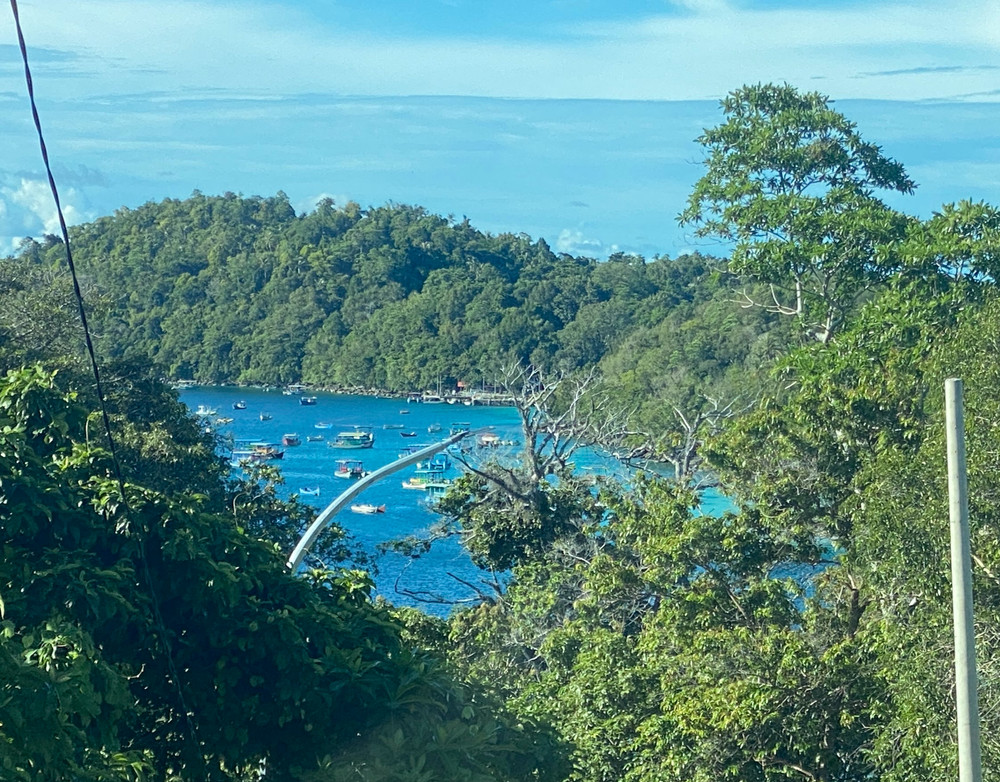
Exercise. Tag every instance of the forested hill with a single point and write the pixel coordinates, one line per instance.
(244, 290)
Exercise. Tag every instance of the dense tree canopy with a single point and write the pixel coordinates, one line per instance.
(242, 290)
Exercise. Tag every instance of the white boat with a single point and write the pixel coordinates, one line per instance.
(205, 412)
(364, 507)
(313, 492)
(350, 468)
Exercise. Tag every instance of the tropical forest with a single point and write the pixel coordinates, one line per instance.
(151, 632)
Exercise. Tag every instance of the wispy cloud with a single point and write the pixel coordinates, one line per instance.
(700, 49)
(922, 69)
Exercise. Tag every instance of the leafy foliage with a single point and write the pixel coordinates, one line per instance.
(791, 182)
(143, 636)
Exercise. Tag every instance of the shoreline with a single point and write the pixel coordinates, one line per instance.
(484, 398)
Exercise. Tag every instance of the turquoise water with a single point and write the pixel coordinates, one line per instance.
(312, 464)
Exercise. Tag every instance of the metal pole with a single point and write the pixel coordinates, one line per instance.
(966, 680)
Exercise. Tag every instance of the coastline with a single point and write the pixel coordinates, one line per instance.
(487, 398)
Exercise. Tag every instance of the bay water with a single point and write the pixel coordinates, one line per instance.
(434, 581)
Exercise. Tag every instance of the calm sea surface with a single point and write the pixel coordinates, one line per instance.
(311, 465)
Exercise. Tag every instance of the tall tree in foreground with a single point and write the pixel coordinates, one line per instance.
(792, 184)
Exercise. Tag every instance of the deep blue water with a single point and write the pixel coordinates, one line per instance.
(407, 512)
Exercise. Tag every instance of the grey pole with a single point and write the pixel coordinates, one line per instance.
(966, 679)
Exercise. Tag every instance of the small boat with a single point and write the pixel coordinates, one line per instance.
(433, 484)
(459, 426)
(404, 412)
(261, 452)
(359, 438)
(313, 492)
(407, 434)
(323, 425)
(488, 440)
(291, 439)
(436, 465)
(205, 412)
(392, 426)
(307, 400)
(434, 428)
(241, 405)
(364, 507)
(265, 416)
(350, 468)
(295, 389)
(314, 438)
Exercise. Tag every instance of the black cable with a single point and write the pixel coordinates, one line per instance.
(140, 533)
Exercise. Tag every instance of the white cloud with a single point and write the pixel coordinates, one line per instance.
(308, 204)
(574, 242)
(27, 209)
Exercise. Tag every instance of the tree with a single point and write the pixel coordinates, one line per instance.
(510, 509)
(792, 185)
(144, 636)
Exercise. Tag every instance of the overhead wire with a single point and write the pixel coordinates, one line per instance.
(102, 403)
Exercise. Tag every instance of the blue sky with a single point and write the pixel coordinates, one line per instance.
(571, 120)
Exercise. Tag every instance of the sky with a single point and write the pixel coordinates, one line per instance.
(574, 121)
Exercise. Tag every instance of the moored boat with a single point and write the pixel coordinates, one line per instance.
(359, 438)
(436, 465)
(241, 405)
(307, 400)
(258, 452)
(314, 438)
(291, 439)
(350, 468)
(364, 507)
(313, 492)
